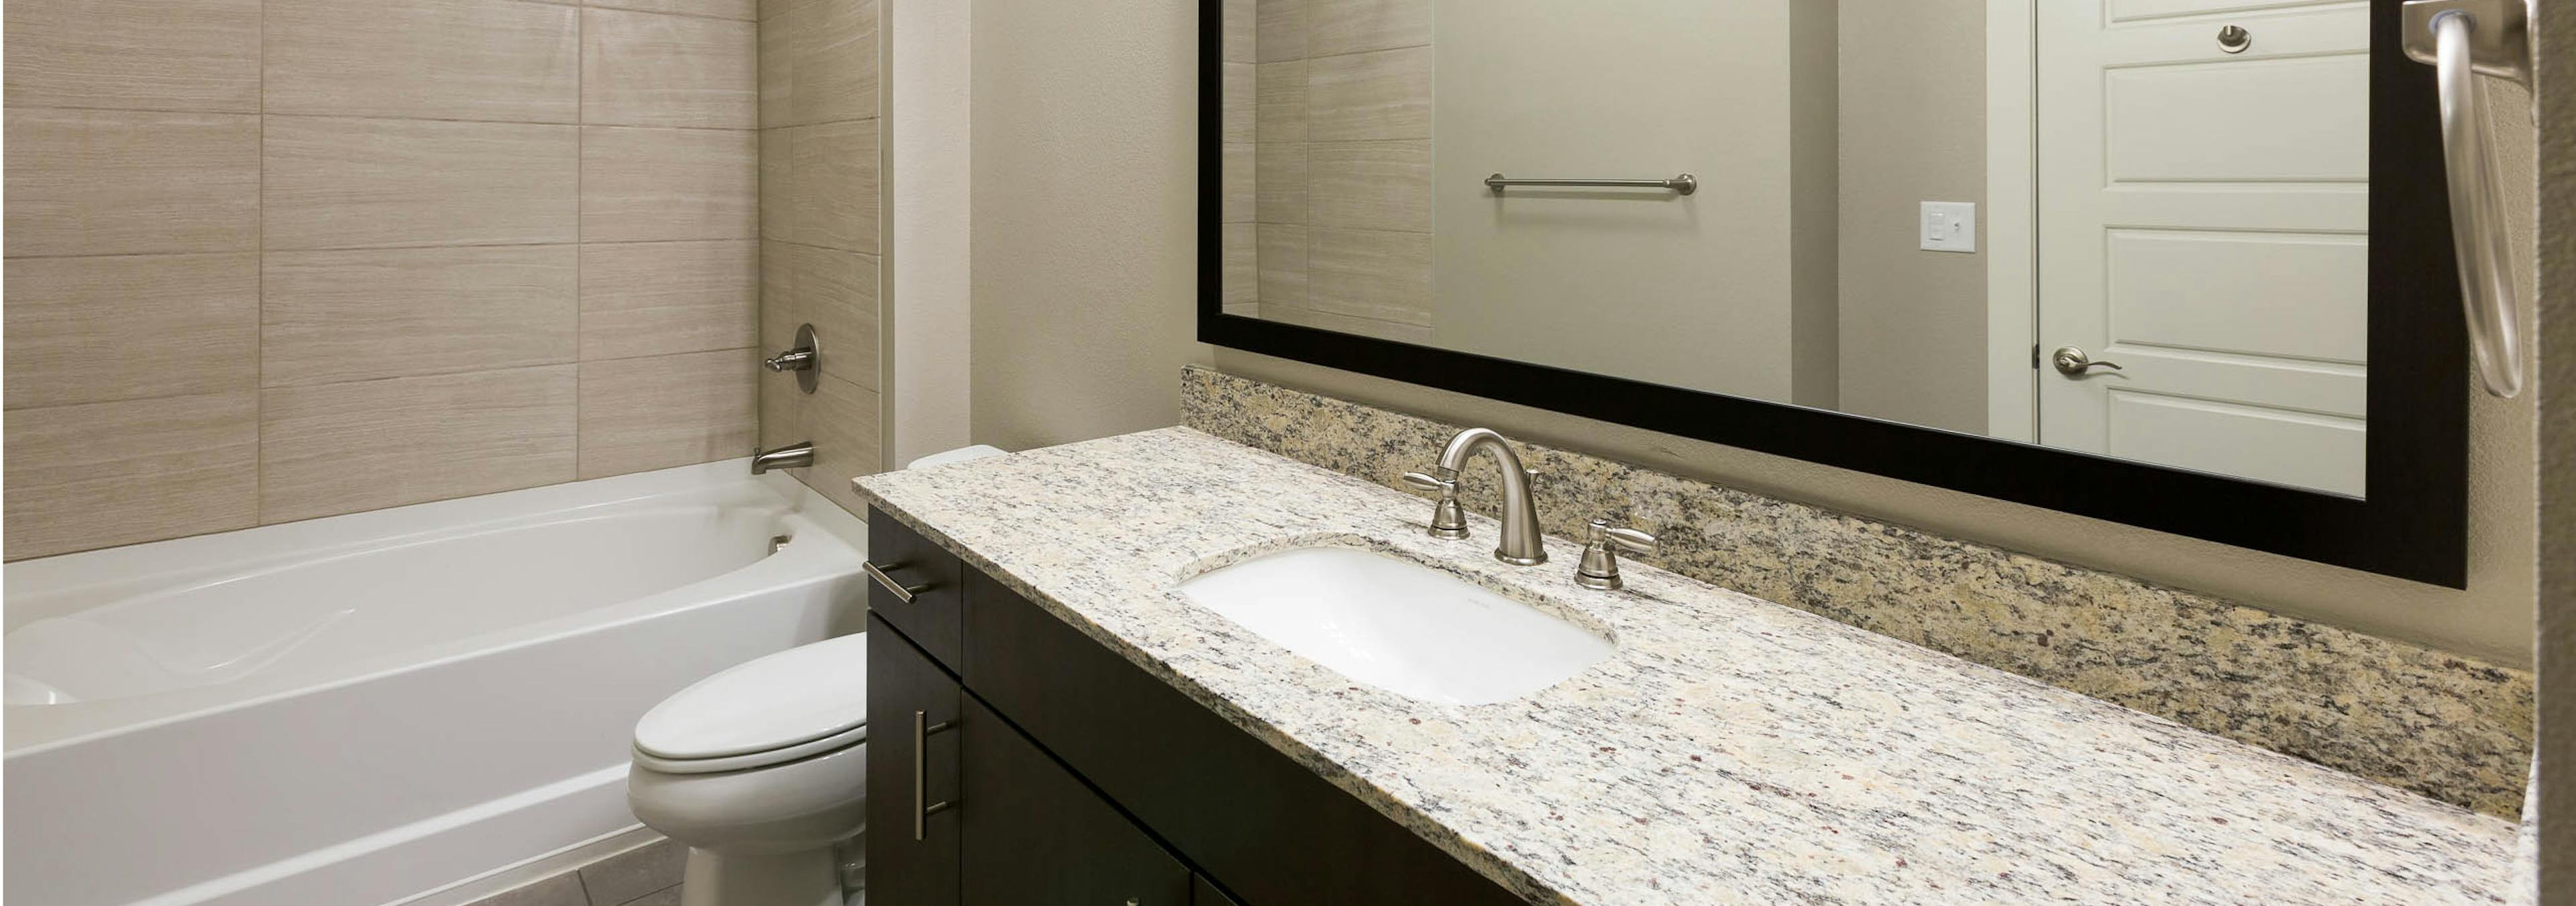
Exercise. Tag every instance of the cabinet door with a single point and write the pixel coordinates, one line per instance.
(1035, 834)
(933, 618)
(908, 774)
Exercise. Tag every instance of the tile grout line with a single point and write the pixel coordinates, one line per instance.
(259, 316)
(580, 157)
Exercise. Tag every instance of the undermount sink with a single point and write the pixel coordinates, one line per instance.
(1398, 625)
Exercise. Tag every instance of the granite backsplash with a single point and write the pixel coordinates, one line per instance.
(2447, 726)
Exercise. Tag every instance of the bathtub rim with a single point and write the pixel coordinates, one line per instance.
(835, 554)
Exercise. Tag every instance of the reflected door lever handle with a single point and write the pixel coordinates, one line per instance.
(2072, 362)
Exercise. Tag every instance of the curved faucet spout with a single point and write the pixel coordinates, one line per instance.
(1521, 544)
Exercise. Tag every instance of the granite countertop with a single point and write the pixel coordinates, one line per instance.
(1731, 750)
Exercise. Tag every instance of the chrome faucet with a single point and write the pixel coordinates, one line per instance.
(792, 456)
(1521, 545)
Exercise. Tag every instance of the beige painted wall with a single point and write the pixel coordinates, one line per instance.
(362, 255)
(1085, 262)
(1913, 121)
(930, 63)
(2555, 43)
(1688, 291)
(1815, 200)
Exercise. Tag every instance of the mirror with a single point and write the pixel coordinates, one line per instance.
(2133, 229)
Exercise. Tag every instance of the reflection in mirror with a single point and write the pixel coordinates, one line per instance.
(2136, 228)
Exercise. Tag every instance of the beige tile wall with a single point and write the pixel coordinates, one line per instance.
(1328, 207)
(273, 261)
(819, 223)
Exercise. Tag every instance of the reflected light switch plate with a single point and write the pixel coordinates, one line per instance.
(1949, 226)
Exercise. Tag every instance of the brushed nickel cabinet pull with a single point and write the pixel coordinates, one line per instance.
(901, 591)
(922, 809)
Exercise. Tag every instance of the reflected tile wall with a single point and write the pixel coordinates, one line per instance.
(1340, 191)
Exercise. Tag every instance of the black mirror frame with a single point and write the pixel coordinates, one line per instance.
(2413, 523)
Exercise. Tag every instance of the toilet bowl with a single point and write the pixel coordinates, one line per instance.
(761, 770)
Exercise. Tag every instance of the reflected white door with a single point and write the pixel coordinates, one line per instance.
(2203, 224)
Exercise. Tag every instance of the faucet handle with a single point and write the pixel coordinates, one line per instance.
(1601, 547)
(1448, 520)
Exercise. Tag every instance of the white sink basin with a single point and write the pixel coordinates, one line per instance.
(1400, 626)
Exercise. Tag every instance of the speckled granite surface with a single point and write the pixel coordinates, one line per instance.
(2446, 726)
(1730, 750)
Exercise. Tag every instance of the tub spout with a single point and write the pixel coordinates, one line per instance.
(792, 456)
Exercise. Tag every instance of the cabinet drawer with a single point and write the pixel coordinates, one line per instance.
(902, 683)
(1030, 832)
(1270, 830)
(929, 576)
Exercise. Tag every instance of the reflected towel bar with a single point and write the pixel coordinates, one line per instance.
(2462, 38)
(1681, 185)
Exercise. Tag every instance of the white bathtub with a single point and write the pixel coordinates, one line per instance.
(354, 710)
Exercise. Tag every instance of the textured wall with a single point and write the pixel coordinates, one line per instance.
(1085, 219)
(272, 261)
(821, 159)
(2555, 46)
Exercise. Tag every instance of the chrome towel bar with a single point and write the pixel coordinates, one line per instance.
(2462, 38)
(1680, 185)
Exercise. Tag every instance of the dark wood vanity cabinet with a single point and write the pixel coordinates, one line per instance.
(902, 682)
(1070, 775)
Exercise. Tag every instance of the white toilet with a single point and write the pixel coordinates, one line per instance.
(762, 771)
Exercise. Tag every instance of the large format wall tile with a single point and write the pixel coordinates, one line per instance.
(1237, 171)
(1240, 253)
(196, 55)
(2446, 726)
(1281, 269)
(834, 290)
(1341, 323)
(1279, 102)
(1370, 185)
(359, 183)
(1239, 22)
(1352, 26)
(1281, 183)
(1236, 83)
(647, 69)
(657, 298)
(819, 63)
(429, 59)
(104, 474)
(1279, 30)
(656, 184)
(841, 417)
(335, 316)
(76, 325)
(1370, 274)
(350, 234)
(818, 185)
(670, 410)
(343, 448)
(97, 182)
(721, 9)
(1366, 96)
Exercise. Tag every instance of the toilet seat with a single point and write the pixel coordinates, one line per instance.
(794, 704)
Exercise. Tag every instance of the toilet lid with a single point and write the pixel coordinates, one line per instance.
(786, 699)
